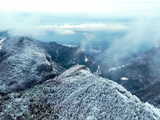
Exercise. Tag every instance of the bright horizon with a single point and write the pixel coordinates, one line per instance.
(105, 7)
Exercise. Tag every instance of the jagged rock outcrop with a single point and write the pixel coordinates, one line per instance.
(23, 64)
(76, 94)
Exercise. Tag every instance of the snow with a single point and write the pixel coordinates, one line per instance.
(156, 46)
(86, 59)
(67, 45)
(119, 67)
(98, 71)
(91, 118)
(1, 41)
(124, 78)
(95, 51)
(111, 69)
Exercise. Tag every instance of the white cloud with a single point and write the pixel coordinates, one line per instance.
(28, 26)
(64, 32)
(87, 27)
(143, 33)
(89, 36)
(21, 24)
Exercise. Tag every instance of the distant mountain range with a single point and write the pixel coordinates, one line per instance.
(69, 56)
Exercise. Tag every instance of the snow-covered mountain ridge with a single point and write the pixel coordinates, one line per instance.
(77, 94)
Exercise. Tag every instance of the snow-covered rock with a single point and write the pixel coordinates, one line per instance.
(76, 94)
(23, 64)
(1, 41)
(124, 78)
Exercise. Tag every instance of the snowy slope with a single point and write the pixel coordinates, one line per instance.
(76, 94)
(23, 64)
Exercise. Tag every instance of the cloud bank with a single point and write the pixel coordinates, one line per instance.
(143, 35)
(17, 24)
(91, 27)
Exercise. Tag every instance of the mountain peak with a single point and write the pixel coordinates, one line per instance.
(23, 64)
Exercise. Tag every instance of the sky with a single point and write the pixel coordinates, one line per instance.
(25, 11)
(121, 7)
(140, 18)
